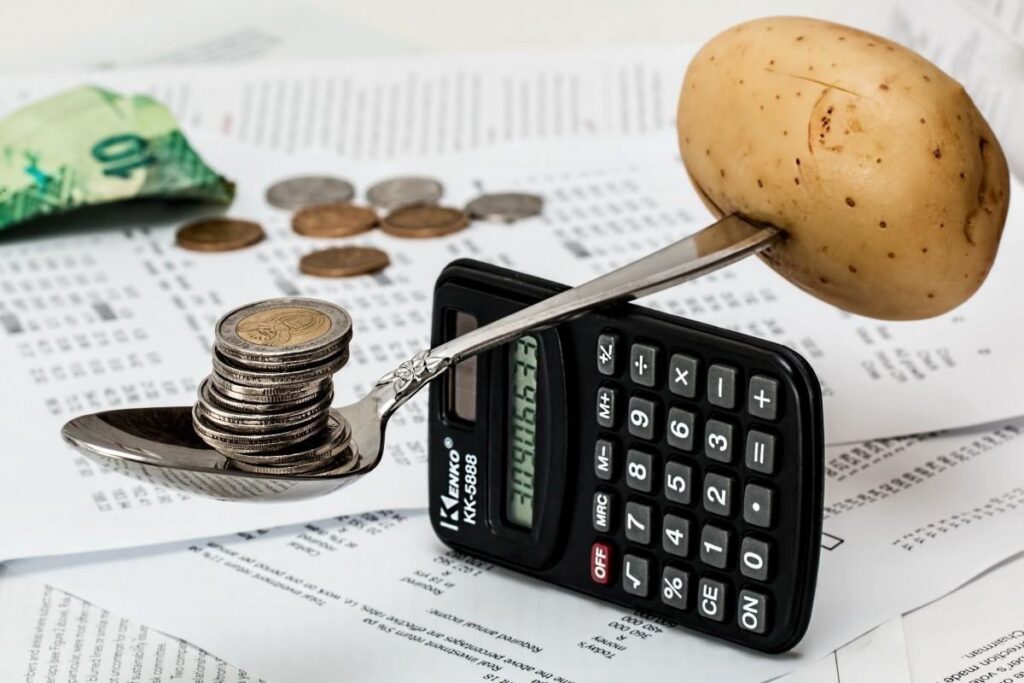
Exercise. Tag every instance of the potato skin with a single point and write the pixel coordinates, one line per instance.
(892, 188)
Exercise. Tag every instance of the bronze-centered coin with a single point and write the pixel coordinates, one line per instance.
(337, 219)
(424, 221)
(344, 261)
(284, 326)
(218, 234)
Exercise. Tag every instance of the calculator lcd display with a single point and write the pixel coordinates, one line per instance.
(522, 431)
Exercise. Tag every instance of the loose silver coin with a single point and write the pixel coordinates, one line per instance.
(297, 193)
(505, 207)
(272, 333)
(396, 193)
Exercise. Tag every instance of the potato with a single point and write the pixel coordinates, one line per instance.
(891, 187)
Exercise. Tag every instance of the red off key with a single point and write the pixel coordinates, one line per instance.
(600, 563)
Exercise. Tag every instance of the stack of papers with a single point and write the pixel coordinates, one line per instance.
(107, 578)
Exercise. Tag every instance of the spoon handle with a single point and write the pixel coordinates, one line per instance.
(716, 246)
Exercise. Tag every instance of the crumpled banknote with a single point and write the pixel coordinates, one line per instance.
(90, 146)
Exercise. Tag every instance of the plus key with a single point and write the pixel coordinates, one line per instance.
(763, 397)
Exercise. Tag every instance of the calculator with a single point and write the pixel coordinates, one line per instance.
(633, 456)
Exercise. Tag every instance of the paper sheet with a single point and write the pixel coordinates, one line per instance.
(388, 108)
(878, 655)
(47, 635)
(366, 110)
(972, 635)
(378, 596)
(120, 317)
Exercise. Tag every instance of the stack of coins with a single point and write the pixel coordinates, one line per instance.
(266, 406)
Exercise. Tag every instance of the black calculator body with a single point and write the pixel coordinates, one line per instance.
(636, 457)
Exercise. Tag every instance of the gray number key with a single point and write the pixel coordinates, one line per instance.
(754, 558)
(714, 546)
(680, 429)
(675, 535)
(641, 417)
(718, 494)
(638, 470)
(718, 440)
(638, 522)
(678, 482)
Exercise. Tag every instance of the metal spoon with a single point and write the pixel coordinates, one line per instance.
(159, 445)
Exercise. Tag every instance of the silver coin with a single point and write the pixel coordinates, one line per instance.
(320, 447)
(209, 392)
(229, 430)
(341, 460)
(297, 193)
(344, 462)
(270, 333)
(246, 420)
(334, 455)
(228, 442)
(304, 467)
(304, 374)
(265, 395)
(505, 207)
(406, 191)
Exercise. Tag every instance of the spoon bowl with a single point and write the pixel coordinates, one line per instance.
(160, 446)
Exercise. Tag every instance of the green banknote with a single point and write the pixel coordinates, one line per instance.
(91, 146)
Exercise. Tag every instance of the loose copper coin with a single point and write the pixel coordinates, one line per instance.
(218, 234)
(424, 221)
(343, 261)
(337, 219)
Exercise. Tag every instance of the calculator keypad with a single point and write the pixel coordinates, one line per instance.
(702, 455)
(678, 467)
